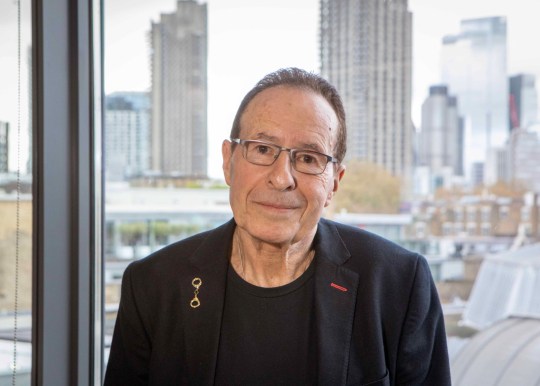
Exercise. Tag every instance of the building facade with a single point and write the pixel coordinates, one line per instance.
(497, 167)
(523, 101)
(127, 135)
(440, 140)
(179, 91)
(524, 159)
(474, 68)
(366, 52)
(479, 223)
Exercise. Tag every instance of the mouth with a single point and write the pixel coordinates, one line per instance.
(276, 205)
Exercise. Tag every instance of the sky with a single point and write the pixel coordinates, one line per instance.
(249, 38)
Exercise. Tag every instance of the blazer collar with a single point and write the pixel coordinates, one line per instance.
(202, 327)
(335, 298)
(335, 301)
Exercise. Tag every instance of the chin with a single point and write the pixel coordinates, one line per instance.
(273, 234)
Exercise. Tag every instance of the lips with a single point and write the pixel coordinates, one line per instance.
(279, 202)
(284, 202)
(277, 205)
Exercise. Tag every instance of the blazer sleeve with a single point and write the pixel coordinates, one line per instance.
(131, 345)
(423, 355)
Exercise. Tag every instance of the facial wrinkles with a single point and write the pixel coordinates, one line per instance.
(319, 125)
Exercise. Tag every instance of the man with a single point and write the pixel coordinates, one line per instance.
(279, 295)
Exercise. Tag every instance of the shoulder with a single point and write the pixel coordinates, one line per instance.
(375, 254)
(368, 243)
(179, 255)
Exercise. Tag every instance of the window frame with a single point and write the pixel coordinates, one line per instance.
(67, 337)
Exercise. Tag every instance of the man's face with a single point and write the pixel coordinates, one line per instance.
(277, 204)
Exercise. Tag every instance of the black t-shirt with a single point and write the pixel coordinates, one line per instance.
(268, 334)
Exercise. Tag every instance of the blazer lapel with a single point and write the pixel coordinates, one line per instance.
(203, 323)
(335, 300)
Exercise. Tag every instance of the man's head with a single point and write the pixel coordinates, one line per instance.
(283, 167)
(298, 78)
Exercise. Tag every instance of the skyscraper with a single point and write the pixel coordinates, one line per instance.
(366, 51)
(524, 158)
(474, 68)
(441, 134)
(523, 101)
(179, 91)
(127, 135)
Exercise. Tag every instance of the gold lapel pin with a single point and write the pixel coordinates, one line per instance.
(195, 302)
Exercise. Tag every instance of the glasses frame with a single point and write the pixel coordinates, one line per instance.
(244, 142)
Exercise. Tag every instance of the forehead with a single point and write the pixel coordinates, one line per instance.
(290, 111)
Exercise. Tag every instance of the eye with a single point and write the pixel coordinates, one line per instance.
(263, 149)
(306, 158)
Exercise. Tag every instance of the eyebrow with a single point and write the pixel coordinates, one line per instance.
(270, 138)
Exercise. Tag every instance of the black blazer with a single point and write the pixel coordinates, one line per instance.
(378, 316)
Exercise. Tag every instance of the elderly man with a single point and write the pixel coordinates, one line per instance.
(279, 295)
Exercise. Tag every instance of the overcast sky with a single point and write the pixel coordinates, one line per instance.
(249, 38)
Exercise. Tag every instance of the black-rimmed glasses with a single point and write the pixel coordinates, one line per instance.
(265, 154)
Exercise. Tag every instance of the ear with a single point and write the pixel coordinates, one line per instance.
(226, 152)
(338, 175)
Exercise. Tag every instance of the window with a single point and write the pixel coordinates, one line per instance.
(471, 213)
(471, 228)
(163, 194)
(458, 214)
(486, 229)
(59, 200)
(503, 212)
(447, 229)
(486, 213)
(526, 213)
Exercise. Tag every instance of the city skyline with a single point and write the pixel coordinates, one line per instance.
(240, 27)
(474, 67)
(298, 42)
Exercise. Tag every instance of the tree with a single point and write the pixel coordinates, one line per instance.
(368, 188)
(161, 231)
(132, 234)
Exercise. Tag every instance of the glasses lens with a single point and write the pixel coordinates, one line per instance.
(304, 161)
(309, 162)
(260, 153)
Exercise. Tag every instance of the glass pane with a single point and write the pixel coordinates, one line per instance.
(442, 111)
(15, 193)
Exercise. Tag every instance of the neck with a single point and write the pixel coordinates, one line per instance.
(266, 265)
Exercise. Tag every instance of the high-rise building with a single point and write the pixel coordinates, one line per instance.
(524, 158)
(4, 147)
(497, 168)
(179, 91)
(523, 101)
(366, 52)
(441, 134)
(127, 135)
(474, 68)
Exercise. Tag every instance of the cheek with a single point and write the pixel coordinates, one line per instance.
(320, 192)
(242, 182)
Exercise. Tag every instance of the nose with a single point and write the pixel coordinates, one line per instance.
(281, 173)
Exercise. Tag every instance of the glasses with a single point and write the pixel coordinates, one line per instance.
(265, 154)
